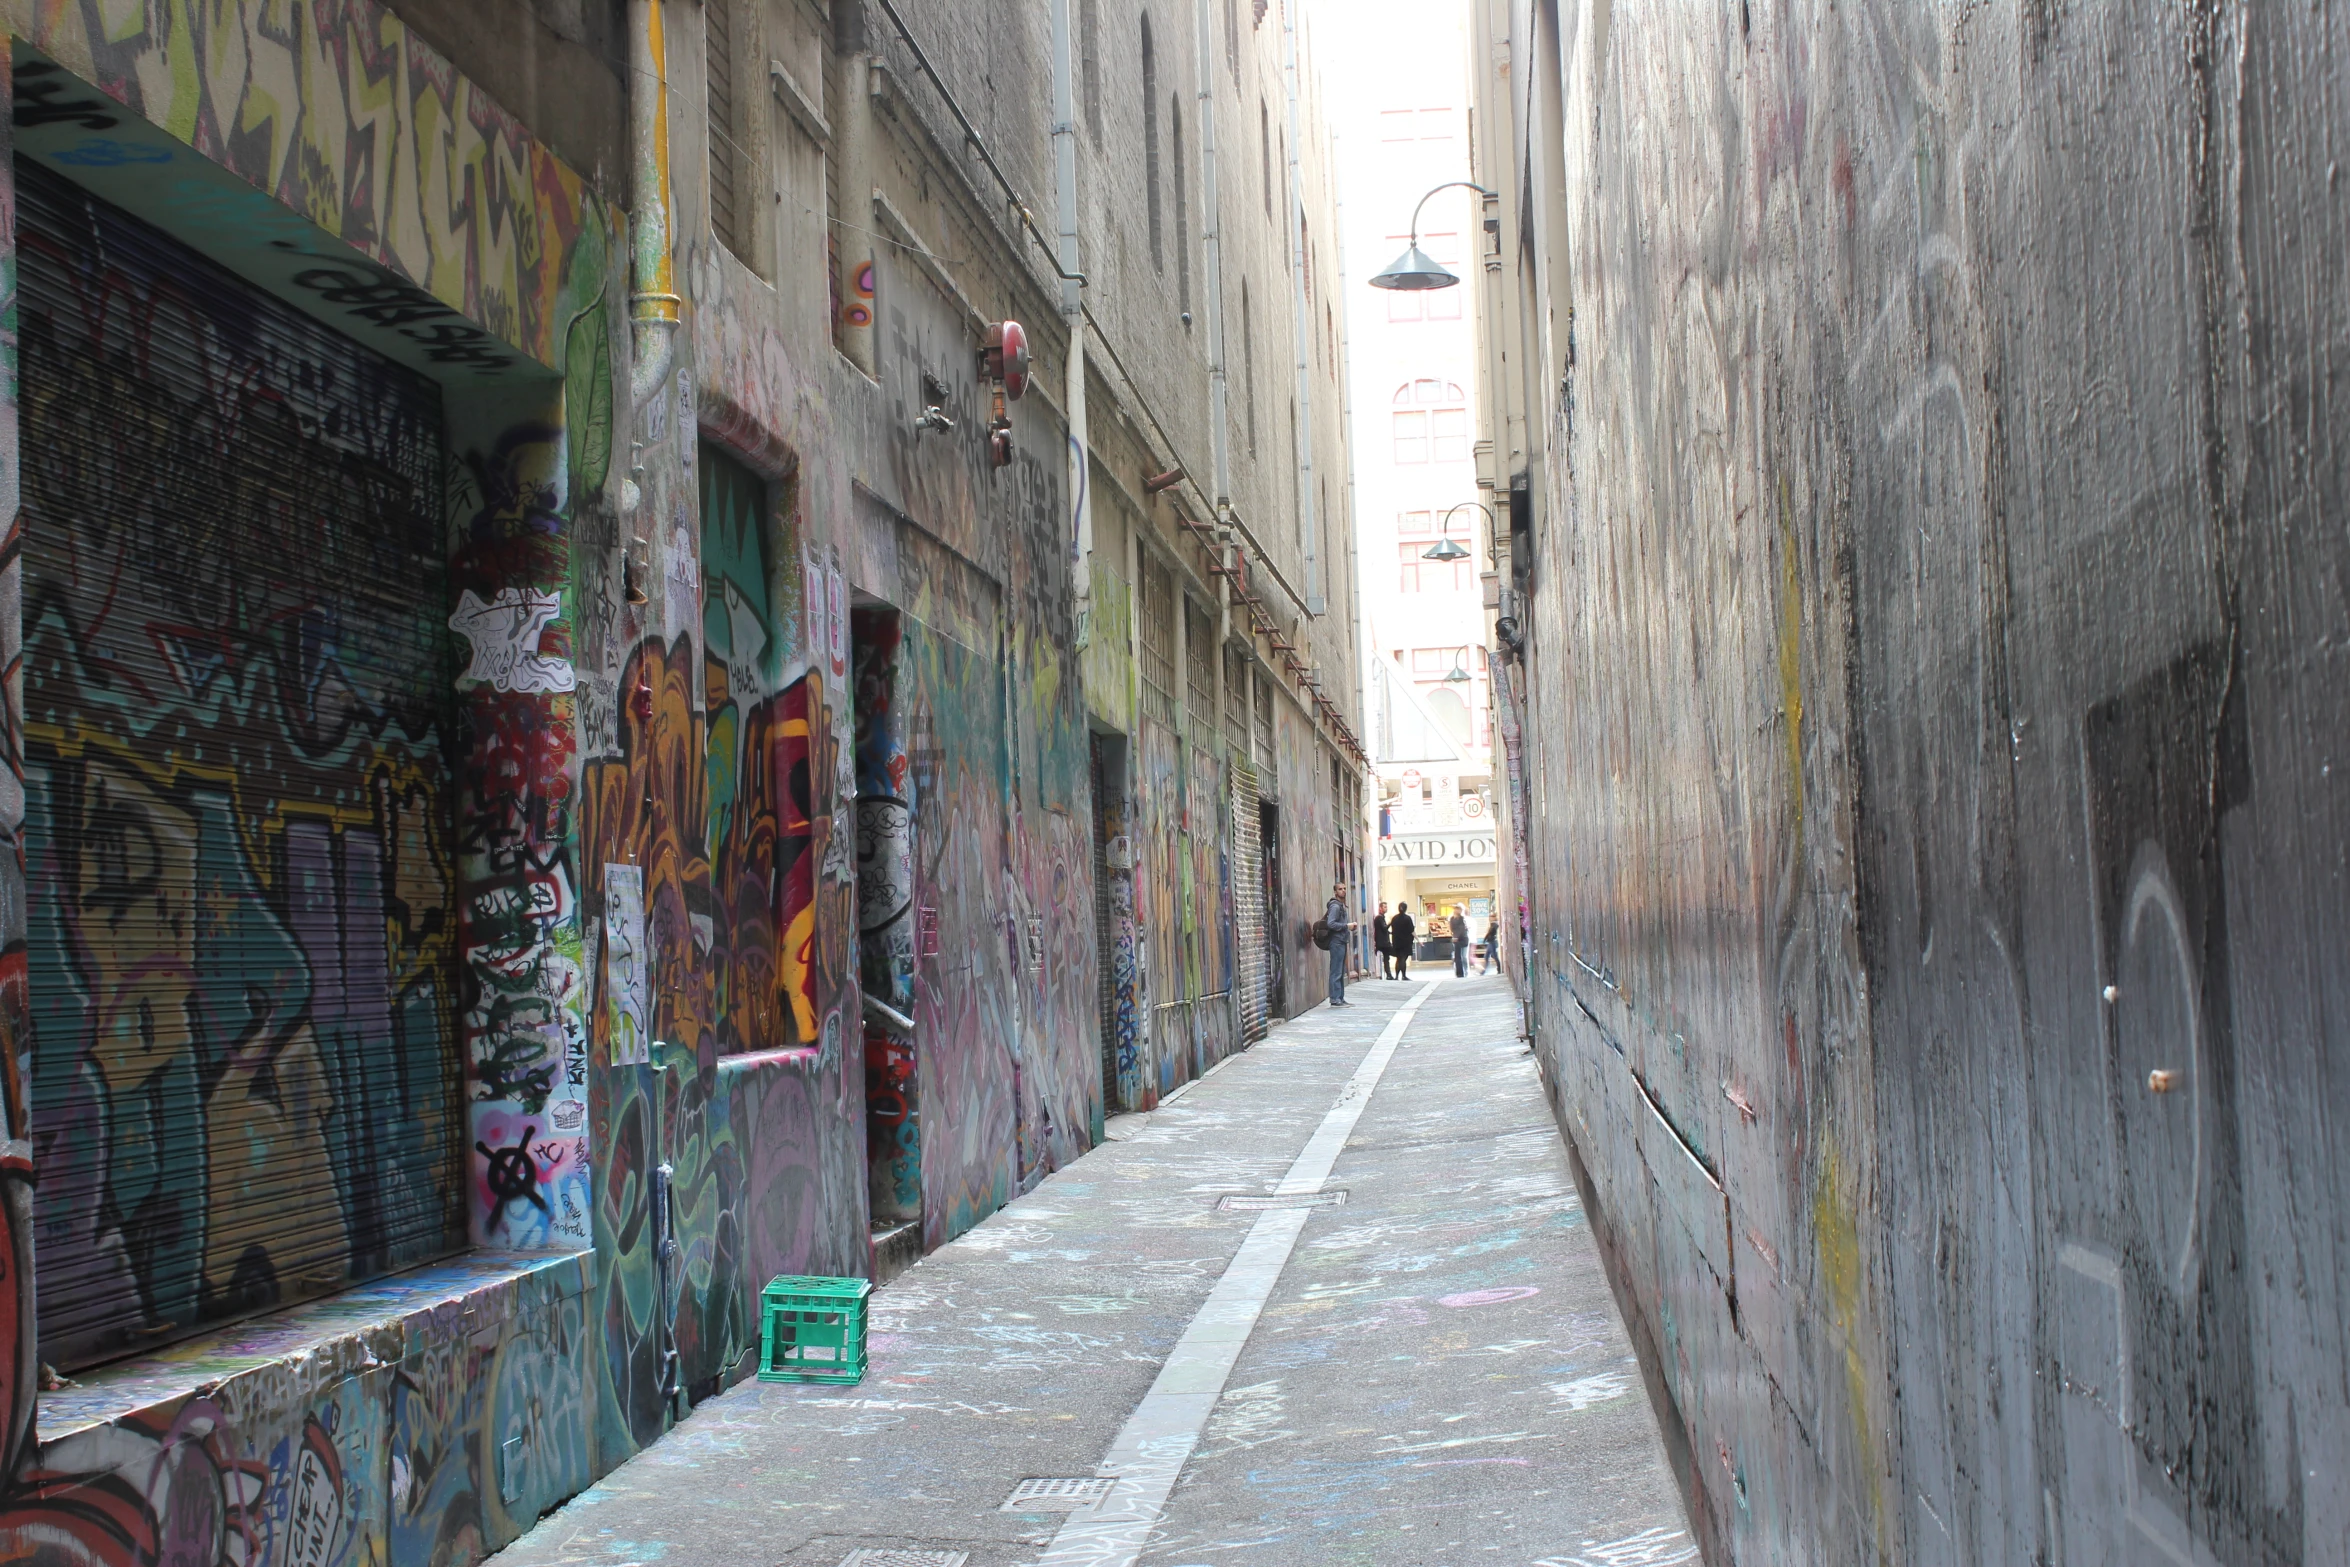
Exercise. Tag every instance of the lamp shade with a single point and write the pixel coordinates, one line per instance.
(1444, 549)
(1414, 269)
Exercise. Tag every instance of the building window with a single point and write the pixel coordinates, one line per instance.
(1421, 575)
(1182, 209)
(1415, 524)
(1295, 465)
(1431, 422)
(1265, 152)
(1448, 431)
(726, 157)
(1411, 437)
(1150, 144)
(1157, 612)
(1089, 31)
(1199, 659)
(1248, 367)
(1236, 701)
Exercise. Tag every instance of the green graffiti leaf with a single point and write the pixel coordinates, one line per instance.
(587, 399)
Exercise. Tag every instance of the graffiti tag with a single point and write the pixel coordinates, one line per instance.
(505, 636)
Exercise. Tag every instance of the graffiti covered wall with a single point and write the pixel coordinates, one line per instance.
(1307, 862)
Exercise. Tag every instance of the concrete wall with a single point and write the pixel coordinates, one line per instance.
(656, 774)
(1931, 709)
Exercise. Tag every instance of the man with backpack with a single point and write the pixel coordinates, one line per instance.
(1460, 943)
(1330, 933)
(1400, 931)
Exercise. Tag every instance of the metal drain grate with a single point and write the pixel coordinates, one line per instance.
(1056, 1495)
(868, 1557)
(1235, 1202)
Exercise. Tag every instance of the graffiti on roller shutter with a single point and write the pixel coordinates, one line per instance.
(234, 792)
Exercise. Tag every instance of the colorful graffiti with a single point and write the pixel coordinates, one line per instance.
(239, 959)
(893, 1127)
(341, 114)
(885, 817)
(886, 953)
(965, 1003)
(17, 1342)
(526, 971)
(1122, 1014)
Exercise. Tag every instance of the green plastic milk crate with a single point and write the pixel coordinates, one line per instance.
(812, 1330)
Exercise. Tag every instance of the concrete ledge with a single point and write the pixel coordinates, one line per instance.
(427, 1417)
(349, 1332)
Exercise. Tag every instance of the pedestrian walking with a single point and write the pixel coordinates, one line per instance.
(1460, 943)
(1492, 945)
(1400, 931)
(1379, 940)
(1340, 928)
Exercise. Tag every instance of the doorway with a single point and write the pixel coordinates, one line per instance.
(886, 937)
(1276, 918)
(1113, 891)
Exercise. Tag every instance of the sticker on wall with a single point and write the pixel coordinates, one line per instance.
(929, 932)
(314, 1506)
(836, 621)
(626, 972)
(504, 634)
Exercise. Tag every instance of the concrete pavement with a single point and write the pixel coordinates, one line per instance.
(1334, 1304)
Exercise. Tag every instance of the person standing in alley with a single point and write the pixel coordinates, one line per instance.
(1460, 943)
(1334, 916)
(1492, 956)
(1379, 940)
(1400, 931)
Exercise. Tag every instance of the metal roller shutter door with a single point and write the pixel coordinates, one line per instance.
(246, 1070)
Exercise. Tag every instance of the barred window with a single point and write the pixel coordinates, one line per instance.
(1236, 700)
(1158, 628)
(1199, 664)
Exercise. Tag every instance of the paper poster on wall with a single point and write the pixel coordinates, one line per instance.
(627, 976)
(836, 624)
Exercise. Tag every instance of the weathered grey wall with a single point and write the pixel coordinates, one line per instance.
(1938, 614)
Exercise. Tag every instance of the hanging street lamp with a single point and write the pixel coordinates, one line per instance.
(1415, 268)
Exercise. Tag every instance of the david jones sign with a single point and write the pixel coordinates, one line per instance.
(1436, 848)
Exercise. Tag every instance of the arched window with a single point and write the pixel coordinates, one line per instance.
(1090, 32)
(1150, 143)
(1431, 422)
(1248, 366)
(1182, 207)
(1265, 151)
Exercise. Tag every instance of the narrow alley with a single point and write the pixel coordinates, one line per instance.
(1334, 1303)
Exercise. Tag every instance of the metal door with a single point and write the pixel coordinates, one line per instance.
(245, 1064)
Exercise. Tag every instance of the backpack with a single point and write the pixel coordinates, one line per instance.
(1319, 934)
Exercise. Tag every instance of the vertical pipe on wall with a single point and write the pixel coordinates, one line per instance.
(652, 299)
(1212, 257)
(1309, 522)
(1073, 313)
